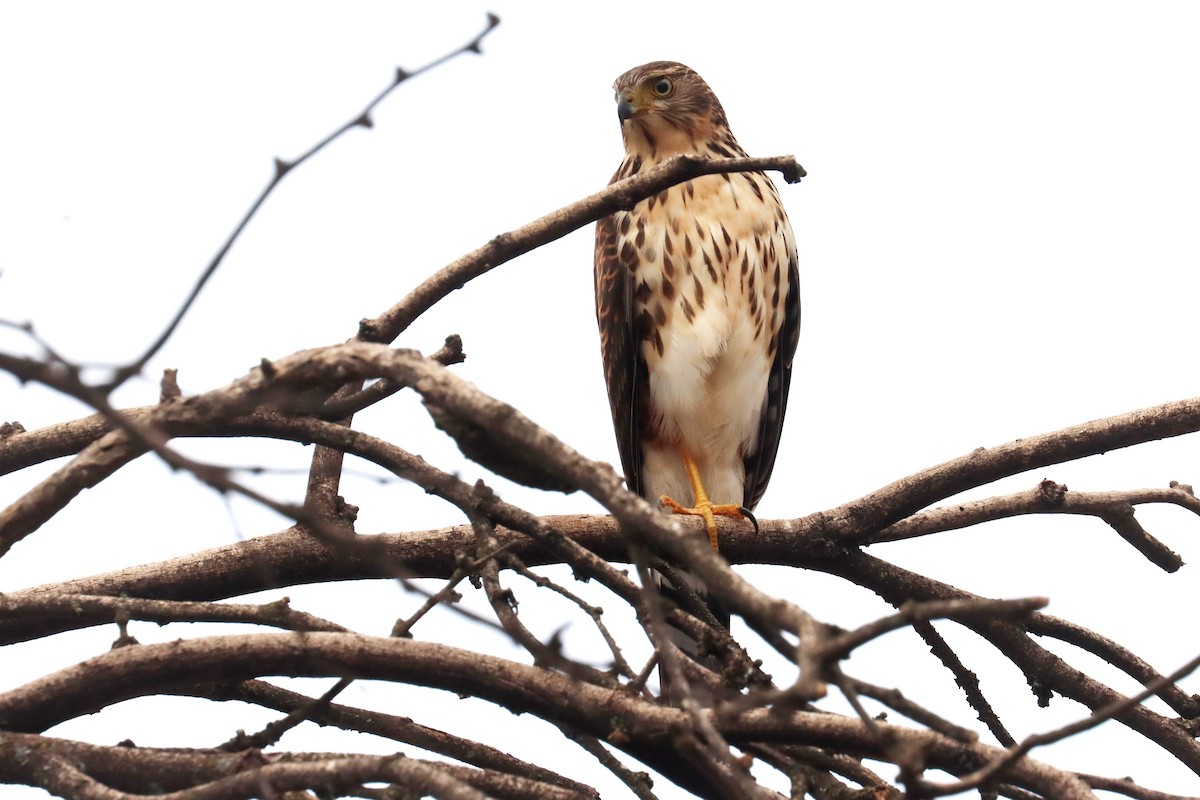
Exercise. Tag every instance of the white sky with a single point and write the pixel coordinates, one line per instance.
(997, 239)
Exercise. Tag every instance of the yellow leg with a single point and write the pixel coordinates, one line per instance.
(704, 507)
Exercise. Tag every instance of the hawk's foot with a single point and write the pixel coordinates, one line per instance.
(705, 508)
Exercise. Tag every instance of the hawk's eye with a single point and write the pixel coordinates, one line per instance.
(663, 87)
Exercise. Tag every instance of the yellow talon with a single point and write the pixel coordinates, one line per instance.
(704, 507)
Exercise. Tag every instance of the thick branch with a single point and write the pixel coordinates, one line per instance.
(641, 727)
(1114, 508)
(1046, 672)
(112, 771)
(400, 729)
(856, 522)
(98, 609)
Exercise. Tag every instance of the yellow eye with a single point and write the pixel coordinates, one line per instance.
(663, 87)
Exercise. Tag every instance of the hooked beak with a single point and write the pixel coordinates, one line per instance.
(625, 108)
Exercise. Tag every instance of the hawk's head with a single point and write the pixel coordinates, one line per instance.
(666, 108)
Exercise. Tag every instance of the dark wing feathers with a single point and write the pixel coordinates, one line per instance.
(627, 377)
(620, 346)
(761, 462)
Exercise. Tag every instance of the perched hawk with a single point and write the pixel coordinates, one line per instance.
(698, 302)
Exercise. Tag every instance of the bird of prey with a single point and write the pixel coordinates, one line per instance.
(697, 299)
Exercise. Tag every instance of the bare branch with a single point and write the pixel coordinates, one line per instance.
(640, 725)
(639, 783)
(895, 699)
(504, 604)
(505, 247)
(620, 666)
(717, 712)
(840, 646)
(447, 355)
(1046, 625)
(282, 168)
(1115, 508)
(400, 729)
(1128, 788)
(97, 609)
(858, 521)
(54, 765)
(996, 768)
(1046, 672)
(800, 542)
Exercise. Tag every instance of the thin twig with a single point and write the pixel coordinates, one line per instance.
(337, 409)
(840, 646)
(504, 604)
(594, 613)
(704, 742)
(639, 783)
(1128, 788)
(1046, 673)
(282, 168)
(895, 699)
(820, 765)
(399, 729)
(997, 767)
(273, 731)
(967, 680)
(1186, 705)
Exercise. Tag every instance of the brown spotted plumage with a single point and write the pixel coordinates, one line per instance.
(697, 298)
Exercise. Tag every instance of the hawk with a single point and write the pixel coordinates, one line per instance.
(697, 299)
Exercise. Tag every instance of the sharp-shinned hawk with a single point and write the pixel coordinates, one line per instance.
(697, 298)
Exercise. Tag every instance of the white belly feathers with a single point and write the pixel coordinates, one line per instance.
(708, 287)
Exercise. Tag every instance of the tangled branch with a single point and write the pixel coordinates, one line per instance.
(753, 731)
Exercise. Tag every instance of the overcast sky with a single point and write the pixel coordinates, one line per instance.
(997, 239)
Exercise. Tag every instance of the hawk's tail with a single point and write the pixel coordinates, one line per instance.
(692, 597)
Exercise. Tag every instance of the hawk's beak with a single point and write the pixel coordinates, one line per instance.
(625, 108)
